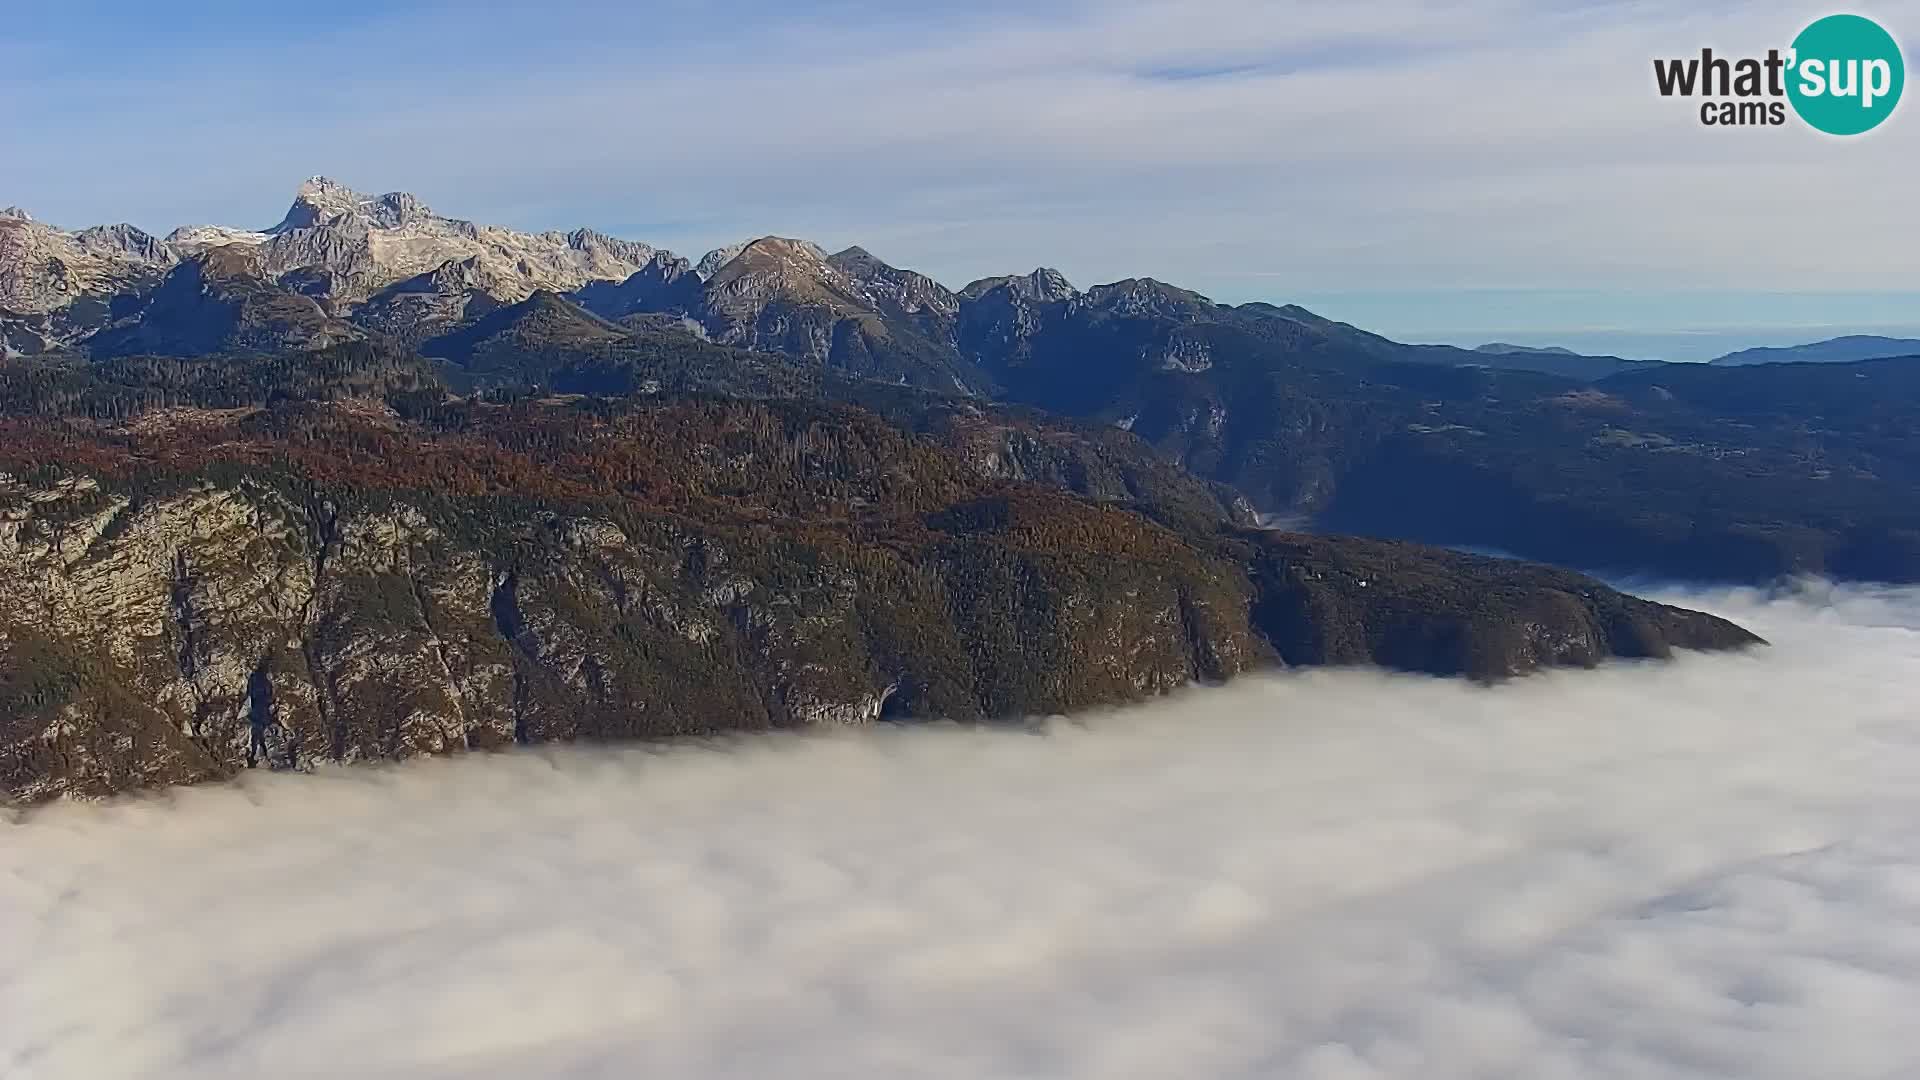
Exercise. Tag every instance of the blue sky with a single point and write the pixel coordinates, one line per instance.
(1439, 169)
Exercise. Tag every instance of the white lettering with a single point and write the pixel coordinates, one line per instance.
(1879, 80)
(1813, 78)
(1847, 87)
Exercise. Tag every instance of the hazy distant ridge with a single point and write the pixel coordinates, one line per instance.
(1840, 350)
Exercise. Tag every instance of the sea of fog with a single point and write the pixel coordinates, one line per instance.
(1706, 868)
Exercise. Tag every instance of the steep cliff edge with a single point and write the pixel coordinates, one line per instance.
(250, 619)
(188, 591)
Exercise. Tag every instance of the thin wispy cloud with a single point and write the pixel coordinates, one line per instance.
(1250, 149)
(1700, 869)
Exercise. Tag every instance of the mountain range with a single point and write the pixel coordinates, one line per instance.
(1839, 350)
(388, 267)
(373, 482)
(1723, 471)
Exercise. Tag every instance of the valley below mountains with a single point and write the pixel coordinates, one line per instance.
(373, 482)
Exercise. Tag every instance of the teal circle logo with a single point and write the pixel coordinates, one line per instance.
(1846, 75)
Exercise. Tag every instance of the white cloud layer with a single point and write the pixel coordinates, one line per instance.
(1702, 869)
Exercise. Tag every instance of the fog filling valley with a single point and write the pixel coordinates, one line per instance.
(1705, 868)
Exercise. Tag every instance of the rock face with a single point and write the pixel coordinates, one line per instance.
(712, 261)
(57, 288)
(345, 247)
(849, 312)
(214, 302)
(1044, 285)
(63, 329)
(410, 311)
(1000, 316)
(900, 295)
(234, 625)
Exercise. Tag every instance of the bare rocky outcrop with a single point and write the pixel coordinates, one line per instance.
(712, 261)
(900, 294)
(410, 311)
(364, 243)
(850, 312)
(175, 636)
(335, 246)
(43, 268)
(1044, 285)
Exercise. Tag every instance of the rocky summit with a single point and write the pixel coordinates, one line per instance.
(43, 268)
(345, 247)
(334, 244)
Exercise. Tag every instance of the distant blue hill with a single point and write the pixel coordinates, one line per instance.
(1840, 350)
(1504, 347)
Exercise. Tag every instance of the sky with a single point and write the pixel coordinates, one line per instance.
(1434, 169)
(1655, 871)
